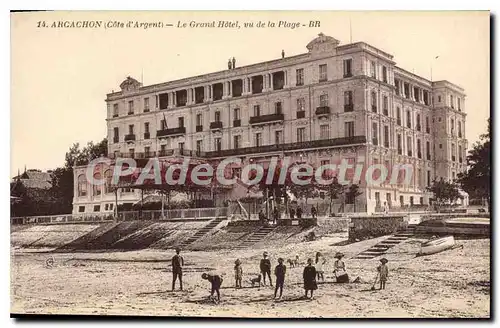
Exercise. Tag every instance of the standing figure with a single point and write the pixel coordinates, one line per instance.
(280, 272)
(238, 273)
(309, 277)
(339, 268)
(215, 282)
(276, 214)
(265, 268)
(383, 271)
(386, 208)
(299, 212)
(292, 213)
(229, 64)
(320, 261)
(313, 212)
(177, 264)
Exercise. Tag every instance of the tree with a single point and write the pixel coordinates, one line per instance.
(333, 191)
(352, 193)
(444, 191)
(476, 181)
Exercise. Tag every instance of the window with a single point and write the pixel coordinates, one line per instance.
(439, 98)
(416, 94)
(115, 110)
(97, 208)
(419, 127)
(163, 149)
(384, 74)
(428, 178)
(398, 116)
(278, 137)
(396, 84)
(236, 113)
(323, 100)
(278, 109)
(409, 146)
(146, 130)
(256, 110)
(459, 125)
(163, 124)
(408, 119)
(82, 185)
(427, 127)
(217, 116)
(440, 146)
(400, 146)
(426, 97)
(452, 127)
(452, 102)
(428, 150)
(131, 152)
(419, 148)
(375, 134)
(236, 142)
(157, 101)
(301, 134)
(131, 129)
(386, 137)
(217, 144)
(324, 131)
(301, 104)
(373, 69)
(146, 104)
(81, 209)
(300, 76)
(323, 73)
(131, 107)
(258, 139)
(460, 154)
(349, 129)
(180, 145)
(347, 67)
(199, 119)
(406, 90)
(385, 105)
(348, 104)
(453, 150)
(458, 104)
(324, 162)
(199, 146)
(374, 101)
(116, 135)
(146, 151)
(180, 121)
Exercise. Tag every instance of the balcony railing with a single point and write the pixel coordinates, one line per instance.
(146, 110)
(263, 119)
(130, 137)
(171, 132)
(289, 146)
(216, 125)
(236, 123)
(301, 113)
(348, 107)
(323, 110)
(115, 115)
(130, 113)
(347, 74)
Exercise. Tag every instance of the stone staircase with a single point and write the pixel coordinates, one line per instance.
(203, 231)
(382, 247)
(255, 237)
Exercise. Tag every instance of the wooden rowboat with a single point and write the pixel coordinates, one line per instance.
(437, 245)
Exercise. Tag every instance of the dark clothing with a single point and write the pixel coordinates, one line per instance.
(177, 275)
(279, 285)
(299, 213)
(310, 278)
(280, 272)
(216, 282)
(177, 264)
(265, 269)
(313, 212)
(292, 213)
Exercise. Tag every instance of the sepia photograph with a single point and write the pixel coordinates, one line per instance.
(250, 164)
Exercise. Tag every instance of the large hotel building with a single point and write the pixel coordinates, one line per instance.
(334, 100)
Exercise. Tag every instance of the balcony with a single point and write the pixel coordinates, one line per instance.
(323, 110)
(336, 142)
(264, 119)
(301, 113)
(130, 137)
(199, 128)
(170, 132)
(130, 113)
(217, 125)
(236, 123)
(147, 135)
(348, 107)
(115, 115)
(146, 110)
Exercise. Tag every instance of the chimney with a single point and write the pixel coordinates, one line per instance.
(282, 53)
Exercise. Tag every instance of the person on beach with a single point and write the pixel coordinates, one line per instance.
(177, 264)
(383, 272)
(215, 282)
(276, 214)
(339, 268)
(299, 212)
(265, 268)
(292, 213)
(319, 265)
(313, 212)
(280, 272)
(309, 277)
(238, 273)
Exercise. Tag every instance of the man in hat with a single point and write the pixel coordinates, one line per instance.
(265, 268)
(280, 272)
(177, 264)
(383, 272)
(339, 268)
(215, 283)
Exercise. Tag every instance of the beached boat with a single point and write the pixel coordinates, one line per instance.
(437, 245)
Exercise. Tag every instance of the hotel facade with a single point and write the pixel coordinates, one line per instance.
(349, 101)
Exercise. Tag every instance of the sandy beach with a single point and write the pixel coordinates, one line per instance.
(451, 284)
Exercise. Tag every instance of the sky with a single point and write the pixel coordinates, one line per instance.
(60, 76)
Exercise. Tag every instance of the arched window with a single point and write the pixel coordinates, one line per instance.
(107, 185)
(97, 189)
(82, 185)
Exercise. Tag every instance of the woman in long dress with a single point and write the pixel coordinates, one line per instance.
(339, 268)
(309, 276)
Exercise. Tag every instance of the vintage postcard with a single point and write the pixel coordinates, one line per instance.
(241, 164)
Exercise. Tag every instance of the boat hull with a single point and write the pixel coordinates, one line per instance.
(437, 245)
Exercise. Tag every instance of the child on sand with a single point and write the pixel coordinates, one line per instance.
(280, 272)
(238, 273)
(383, 272)
(320, 261)
(216, 282)
(309, 276)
